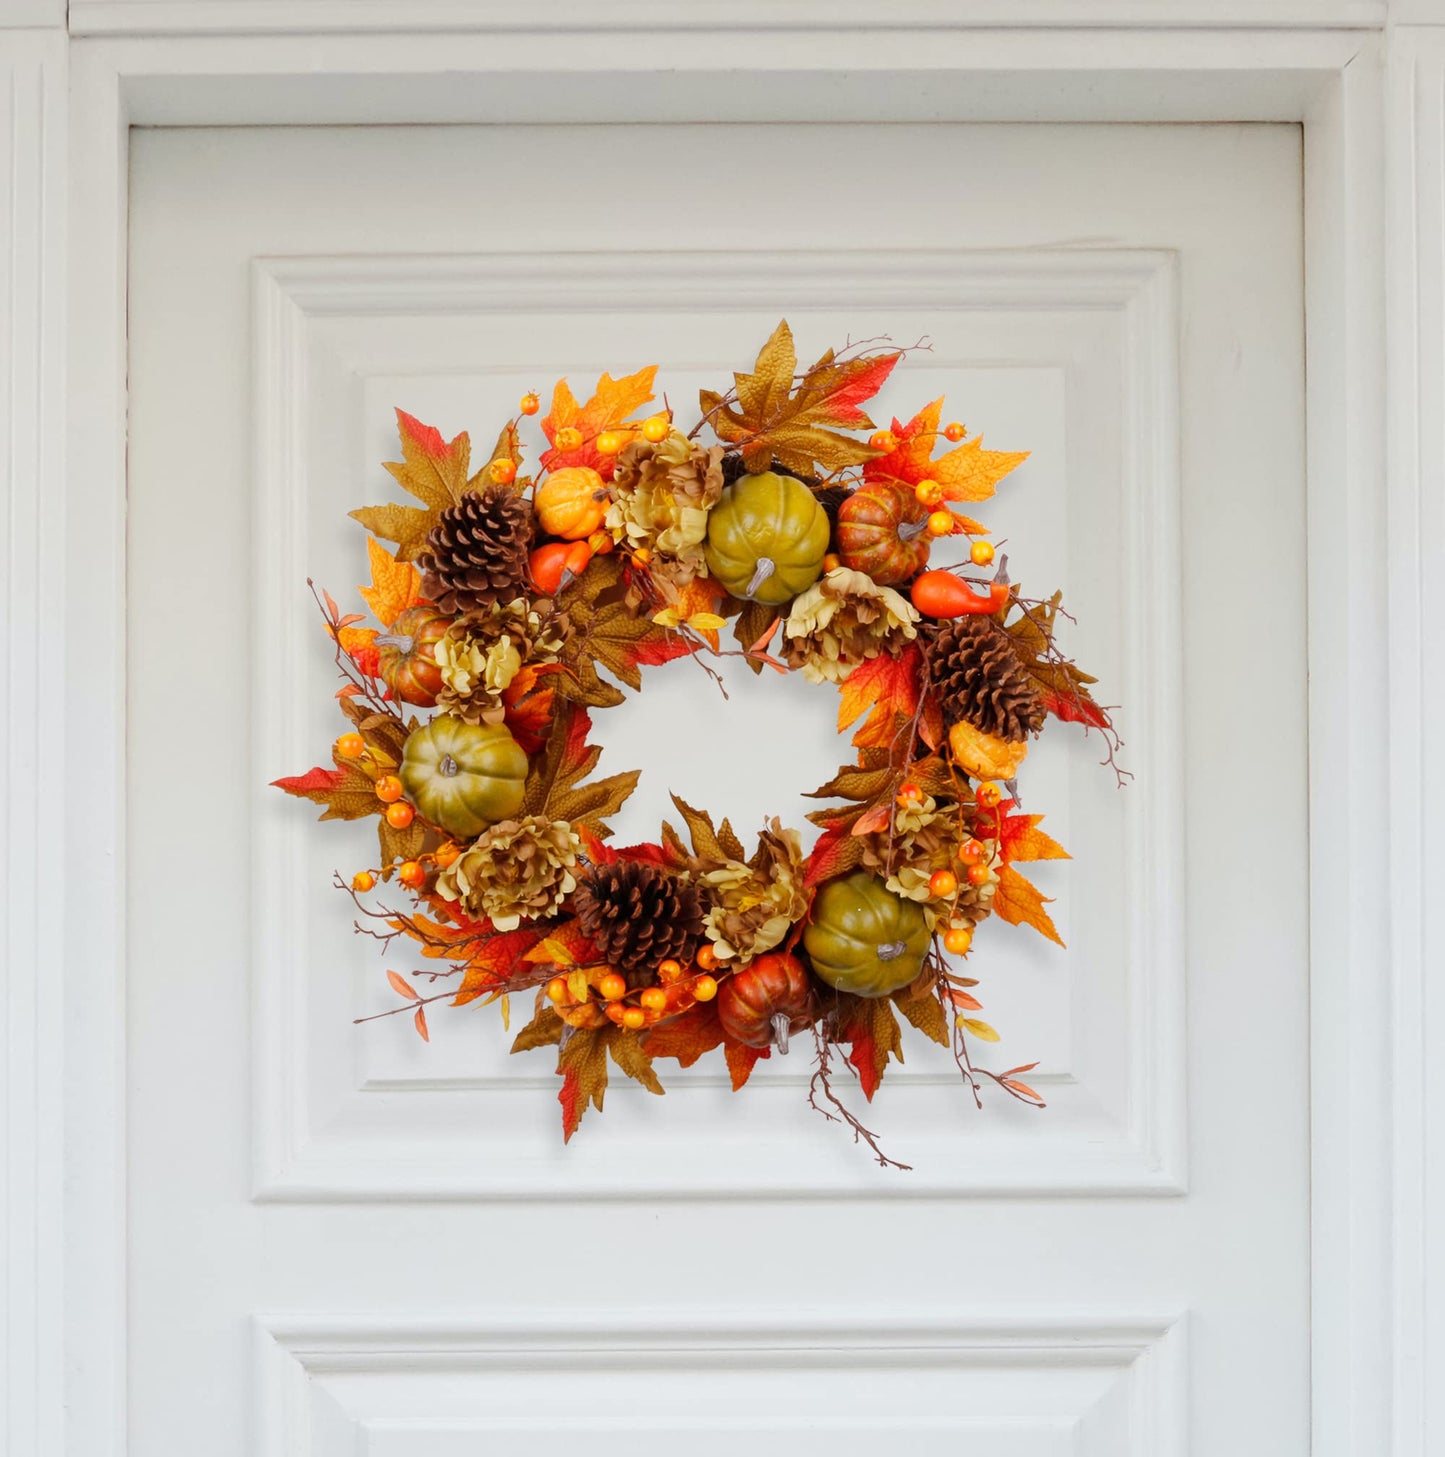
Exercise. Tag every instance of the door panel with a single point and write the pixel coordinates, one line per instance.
(1085, 301)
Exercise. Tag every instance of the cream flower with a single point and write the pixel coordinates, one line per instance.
(841, 621)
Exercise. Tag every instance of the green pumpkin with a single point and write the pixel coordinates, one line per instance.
(864, 939)
(463, 776)
(766, 538)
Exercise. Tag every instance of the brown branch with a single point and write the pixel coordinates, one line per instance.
(821, 1084)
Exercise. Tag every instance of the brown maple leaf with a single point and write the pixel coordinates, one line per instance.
(795, 420)
(1062, 686)
(555, 789)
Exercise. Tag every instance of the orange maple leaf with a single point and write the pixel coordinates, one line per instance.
(359, 644)
(966, 473)
(687, 1037)
(528, 701)
(609, 407)
(1021, 903)
(888, 687)
(395, 585)
(494, 963)
(741, 1060)
(1019, 837)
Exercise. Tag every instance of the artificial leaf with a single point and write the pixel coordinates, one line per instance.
(708, 842)
(527, 704)
(799, 426)
(385, 734)
(433, 470)
(606, 631)
(751, 625)
(582, 1066)
(554, 787)
(399, 845)
(612, 402)
(688, 1037)
(544, 1030)
(1020, 903)
(395, 585)
(836, 853)
(402, 987)
(565, 946)
(1019, 837)
(869, 1025)
(492, 963)
(1062, 686)
(1018, 1087)
(966, 473)
(889, 689)
(964, 1000)
(419, 1022)
(347, 791)
(921, 1007)
(979, 1029)
(741, 1060)
(629, 1054)
(359, 644)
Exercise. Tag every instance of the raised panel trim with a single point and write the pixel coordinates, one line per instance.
(1146, 1351)
(1145, 1155)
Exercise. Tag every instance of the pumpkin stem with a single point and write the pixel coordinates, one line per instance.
(891, 950)
(403, 640)
(909, 529)
(765, 569)
(781, 1023)
(448, 766)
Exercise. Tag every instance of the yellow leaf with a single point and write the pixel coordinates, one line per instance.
(1020, 903)
(667, 617)
(506, 1014)
(705, 621)
(395, 585)
(981, 1030)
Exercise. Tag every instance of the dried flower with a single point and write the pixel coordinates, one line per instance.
(842, 620)
(661, 496)
(484, 650)
(514, 871)
(756, 905)
(925, 837)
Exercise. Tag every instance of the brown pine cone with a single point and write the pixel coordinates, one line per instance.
(638, 915)
(477, 553)
(979, 679)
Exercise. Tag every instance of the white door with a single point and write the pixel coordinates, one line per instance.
(343, 1240)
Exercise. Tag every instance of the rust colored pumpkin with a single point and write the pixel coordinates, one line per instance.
(765, 1001)
(407, 650)
(571, 502)
(883, 531)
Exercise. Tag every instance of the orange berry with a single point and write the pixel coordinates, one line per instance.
(954, 431)
(981, 553)
(634, 1018)
(669, 970)
(400, 814)
(363, 880)
(883, 440)
(654, 999)
(446, 855)
(656, 428)
(388, 789)
(972, 852)
(957, 940)
(411, 874)
(978, 874)
(928, 493)
(909, 794)
(351, 746)
(988, 795)
(601, 543)
(616, 1011)
(704, 988)
(942, 884)
(706, 958)
(529, 404)
(569, 437)
(609, 443)
(503, 471)
(612, 986)
(642, 556)
(940, 523)
(832, 562)
(557, 989)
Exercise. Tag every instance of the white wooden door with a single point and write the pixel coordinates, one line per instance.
(343, 1241)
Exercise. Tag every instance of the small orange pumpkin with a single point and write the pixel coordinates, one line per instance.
(571, 502)
(408, 654)
(883, 532)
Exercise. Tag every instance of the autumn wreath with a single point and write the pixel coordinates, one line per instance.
(513, 604)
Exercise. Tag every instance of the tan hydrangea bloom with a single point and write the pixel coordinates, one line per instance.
(483, 651)
(515, 871)
(925, 838)
(842, 620)
(755, 906)
(661, 497)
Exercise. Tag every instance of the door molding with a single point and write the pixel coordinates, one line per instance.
(1369, 90)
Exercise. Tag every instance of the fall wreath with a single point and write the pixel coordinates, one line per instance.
(513, 605)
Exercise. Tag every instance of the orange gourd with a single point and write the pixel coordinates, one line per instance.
(942, 594)
(558, 560)
(571, 502)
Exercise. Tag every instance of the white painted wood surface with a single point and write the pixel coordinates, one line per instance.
(1367, 95)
